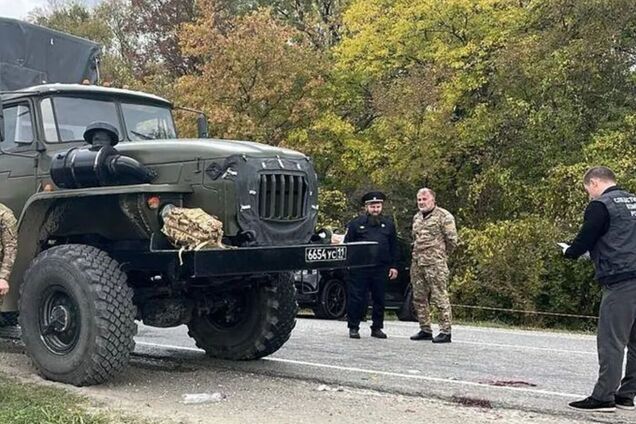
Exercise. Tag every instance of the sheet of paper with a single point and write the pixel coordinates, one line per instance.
(563, 246)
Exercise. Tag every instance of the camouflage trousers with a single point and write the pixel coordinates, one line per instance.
(430, 284)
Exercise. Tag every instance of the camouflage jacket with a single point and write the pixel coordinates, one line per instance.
(8, 241)
(434, 237)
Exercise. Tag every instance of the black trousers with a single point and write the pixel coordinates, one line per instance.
(616, 331)
(359, 284)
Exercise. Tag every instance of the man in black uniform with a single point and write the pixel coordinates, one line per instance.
(372, 226)
(609, 235)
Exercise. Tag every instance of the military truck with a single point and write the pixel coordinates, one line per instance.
(91, 255)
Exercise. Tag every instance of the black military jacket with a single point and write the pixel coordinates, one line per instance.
(360, 229)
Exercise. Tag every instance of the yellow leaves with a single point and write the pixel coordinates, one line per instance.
(341, 156)
(258, 77)
(383, 36)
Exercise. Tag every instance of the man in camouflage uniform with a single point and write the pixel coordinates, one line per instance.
(8, 247)
(434, 238)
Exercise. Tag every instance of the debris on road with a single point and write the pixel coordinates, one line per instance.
(192, 398)
(475, 402)
(508, 383)
(325, 388)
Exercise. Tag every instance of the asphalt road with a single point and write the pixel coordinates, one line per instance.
(510, 375)
(512, 369)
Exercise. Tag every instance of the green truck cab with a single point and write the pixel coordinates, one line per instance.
(91, 255)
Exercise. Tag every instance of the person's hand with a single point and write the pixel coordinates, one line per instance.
(393, 273)
(4, 287)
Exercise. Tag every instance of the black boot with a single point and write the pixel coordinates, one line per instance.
(624, 402)
(354, 333)
(422, 335)
(442, 338)
(378, 334)
(592, 405)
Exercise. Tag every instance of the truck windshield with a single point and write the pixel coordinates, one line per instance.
(146, 122)
(66, 119)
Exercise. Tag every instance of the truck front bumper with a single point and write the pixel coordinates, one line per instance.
(254, 260)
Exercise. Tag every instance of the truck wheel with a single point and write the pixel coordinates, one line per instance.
(258, 321)
(8, 319)
(332, 299)
(77, 315)
(407, 310)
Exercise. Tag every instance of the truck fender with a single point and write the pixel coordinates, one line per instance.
(36, 217)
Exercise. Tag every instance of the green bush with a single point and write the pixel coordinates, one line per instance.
(517, 265)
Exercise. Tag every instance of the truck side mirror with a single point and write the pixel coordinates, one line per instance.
(1, 121)
(202, 126)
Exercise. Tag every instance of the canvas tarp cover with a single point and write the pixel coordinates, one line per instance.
(246, 173)
(32, 55)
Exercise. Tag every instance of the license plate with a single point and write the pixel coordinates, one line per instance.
(325, 254)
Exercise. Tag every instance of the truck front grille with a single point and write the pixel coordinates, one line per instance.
(282, 197)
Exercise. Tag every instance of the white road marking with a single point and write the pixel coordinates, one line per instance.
(175, 347)
(386, 373)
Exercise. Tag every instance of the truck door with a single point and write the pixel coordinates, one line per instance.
(18, 156)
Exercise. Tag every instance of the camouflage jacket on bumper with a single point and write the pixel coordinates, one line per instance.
(8, 241)
(434, 237)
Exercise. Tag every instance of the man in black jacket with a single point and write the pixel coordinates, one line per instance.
(609, 235)
(372, 226)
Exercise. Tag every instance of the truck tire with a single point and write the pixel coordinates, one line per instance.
(332, 299)
(77, 315)
(407, 310)
(8, 319)
(264, 319)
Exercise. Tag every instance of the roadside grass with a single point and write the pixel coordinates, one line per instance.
(33, 404)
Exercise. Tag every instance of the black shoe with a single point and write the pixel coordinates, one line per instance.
(593, 405)
(354, 333)
(442, 338)
(378, 334)
(422, 335)
(624, 402)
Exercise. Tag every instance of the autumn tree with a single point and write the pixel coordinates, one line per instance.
(257, 78)
(484, 98)
(320, 20)
(500, 106)
(156, 24)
